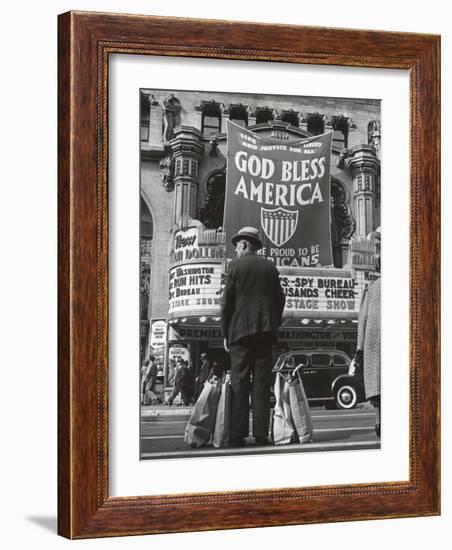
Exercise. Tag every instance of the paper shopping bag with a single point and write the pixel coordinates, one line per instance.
(201, 423)
(283, 431)
(299, 408)
(222, 431)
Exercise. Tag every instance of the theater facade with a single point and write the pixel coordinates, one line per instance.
(183, 237)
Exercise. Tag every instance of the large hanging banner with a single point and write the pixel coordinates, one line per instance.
(283, 189)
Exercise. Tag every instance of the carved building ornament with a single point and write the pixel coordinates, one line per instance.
(342, 123)
(211, 214)
(374, 135)
(263, 115)
(373, 131)
(171, 116)
(343, 218)
(213, 146)
(166, 166)
(210, 106)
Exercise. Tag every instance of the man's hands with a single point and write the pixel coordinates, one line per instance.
(225, 344)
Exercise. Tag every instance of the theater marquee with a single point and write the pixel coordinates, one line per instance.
(195, 289)
(197, 273)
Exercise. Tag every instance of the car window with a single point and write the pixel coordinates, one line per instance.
(300, 360)
(340, 361)
(320, 359)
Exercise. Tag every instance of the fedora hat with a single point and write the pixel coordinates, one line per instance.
(249, 234)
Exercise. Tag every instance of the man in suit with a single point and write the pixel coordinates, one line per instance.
(251, 309)
(181, 383)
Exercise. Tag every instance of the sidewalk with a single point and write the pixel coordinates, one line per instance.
(181, 410)
(165, 410)
(250, 449)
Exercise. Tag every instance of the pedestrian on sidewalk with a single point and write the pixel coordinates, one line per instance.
(190, 385)
(204, 373)
(143, 382)
(217, 370)
(369, 337)
(149, 381)
(151, 374)
(181, 383)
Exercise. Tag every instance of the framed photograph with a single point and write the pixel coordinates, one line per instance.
(248, 275)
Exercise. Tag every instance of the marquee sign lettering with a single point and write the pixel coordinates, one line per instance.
(311, 295)
(213, 334)
(195, 289)
(187, 248)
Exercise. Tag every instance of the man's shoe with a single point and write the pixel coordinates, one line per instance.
(238, 442)
(261, 441)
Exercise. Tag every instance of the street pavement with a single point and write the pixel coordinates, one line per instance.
(162, 433)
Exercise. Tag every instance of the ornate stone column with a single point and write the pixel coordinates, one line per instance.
(365, 168)
(186, 152)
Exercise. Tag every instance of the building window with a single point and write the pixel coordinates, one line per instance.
(146, 229)
(340, 131)
(211, 118)
(316, 124)
(292, 117)
(145, 116)
(238, 114)
(264, 115)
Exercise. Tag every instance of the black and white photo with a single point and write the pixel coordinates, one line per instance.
(260, 246)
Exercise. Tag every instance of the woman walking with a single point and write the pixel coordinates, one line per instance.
(369, 337)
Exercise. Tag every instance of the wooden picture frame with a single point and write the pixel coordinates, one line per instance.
(85, 508)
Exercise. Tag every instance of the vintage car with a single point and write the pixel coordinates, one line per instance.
(325, 377)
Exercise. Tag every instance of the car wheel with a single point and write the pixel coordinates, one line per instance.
(346, 397)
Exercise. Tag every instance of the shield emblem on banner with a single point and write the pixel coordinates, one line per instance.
(279, 224)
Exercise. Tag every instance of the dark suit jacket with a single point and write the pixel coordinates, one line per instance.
(181, 378)
(253, 300)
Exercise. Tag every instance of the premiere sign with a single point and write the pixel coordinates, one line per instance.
(313, 294)
(195, 289)
(291, 335)
(283, 189)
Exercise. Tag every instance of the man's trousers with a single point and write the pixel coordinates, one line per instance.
(251, 356)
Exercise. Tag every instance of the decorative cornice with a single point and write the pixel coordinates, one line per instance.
(187, 141)
(210, 105)
(363, 158)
